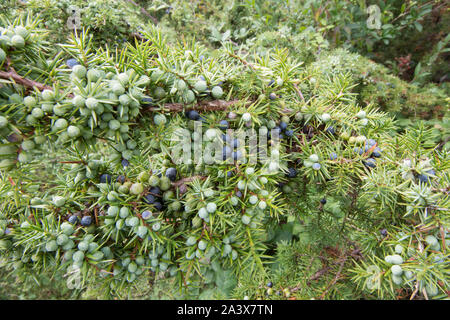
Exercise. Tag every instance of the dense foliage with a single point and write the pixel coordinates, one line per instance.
(349, 204)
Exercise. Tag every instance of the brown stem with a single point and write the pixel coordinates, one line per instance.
(12, 74)
(243, 61)
(214, 105)
(299, 92)
(143, 11)
(188, 179)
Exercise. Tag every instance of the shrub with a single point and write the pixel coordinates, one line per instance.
(92, 184)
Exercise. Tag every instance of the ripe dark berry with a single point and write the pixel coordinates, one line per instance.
(105, 178)
(121, 179)
(155, 190)
(425, 177)
(383, 232)
(376, 152)
(147, 101)
(272, 96)
(270, 284)
(289, 133)
(236, 143)
(230, 174)
(125, 163)
(370, 162)
(86, 221)
(331, 130)
(238, 194)
(13, 137)
(333, 156)
(271, 82)
(292, 173)
(149, 198)
(158, 205)
(73, 219)
(223, 124)
(193, 115)
(323, 201)
(71, 63)
(146, 214)
(283, 125)
(171, 173)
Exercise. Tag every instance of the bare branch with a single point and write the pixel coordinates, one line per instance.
(188, 179)
(145, 12)
(214, 105)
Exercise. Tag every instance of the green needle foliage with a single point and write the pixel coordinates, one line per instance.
(91, 187)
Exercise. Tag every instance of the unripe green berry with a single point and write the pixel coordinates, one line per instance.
(164, 183)
(245, 219)
(17, 41)
(51, 246)
(124, 212)
(40, 139)
(136, 188)
(202, 245)
(314, 157)
(60, 124)
(123, 79)
(326, 117)
(189, 96)
(211, 207)
(73, 131)
(29, 101)
(153, 181)
(191, 241)
(78, 256)
(91, 103)
(246, 117)
(93, 75)
(3, 122)
(28, 145)
(24, 157)
(159, 93)
(200, 86)
(21, 31)
(113, 211)
(37, 113)
(59, 201)
(117, 88)
(253, 199)
(47, 95)
(217, 92)
(79, 71)
(114, 124)
(2, 55)
(67, 228)
(143, 176)
(396, 270)
(361, 114)
(124, 100)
